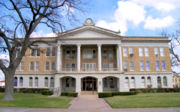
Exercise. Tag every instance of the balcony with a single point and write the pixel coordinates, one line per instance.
(71, 70)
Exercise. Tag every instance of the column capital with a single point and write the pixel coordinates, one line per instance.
(78, 45)
(119, 44)
(58, 44)
(99, 45)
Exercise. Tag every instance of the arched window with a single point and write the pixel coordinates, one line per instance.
(142, 82)
(105, 82)
(159, 82)
(132, 82)
(30, 81)
(21, 81)
(36, 82)
(67, 82)
(52, 82)
(126, 82)
(46, 81)
(149, 85)
(165, 81)
(15, 81)
(111, 83)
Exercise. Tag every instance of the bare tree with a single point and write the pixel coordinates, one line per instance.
(22, 17)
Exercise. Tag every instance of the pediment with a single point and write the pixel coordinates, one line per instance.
(89, 32)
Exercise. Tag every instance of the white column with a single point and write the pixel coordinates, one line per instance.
(57, 86)
(58, 60)
(78, 85)
(100, 85)
(99, 58)
(78, 57)
(119, 58)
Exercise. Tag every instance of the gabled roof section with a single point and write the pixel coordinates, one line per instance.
(89, 30)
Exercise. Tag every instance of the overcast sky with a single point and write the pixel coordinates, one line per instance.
(131, 17)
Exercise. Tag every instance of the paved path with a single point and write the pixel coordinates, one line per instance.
(88, 103)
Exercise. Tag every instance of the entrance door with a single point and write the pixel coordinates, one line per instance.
(89, 84)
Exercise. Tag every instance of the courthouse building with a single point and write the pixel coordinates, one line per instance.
(91, 58)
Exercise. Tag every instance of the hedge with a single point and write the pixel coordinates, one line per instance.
(73, 94)
(47, 92)
(156, 90)
(110, 94)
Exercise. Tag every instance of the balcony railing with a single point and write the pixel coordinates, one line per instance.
(89, 70)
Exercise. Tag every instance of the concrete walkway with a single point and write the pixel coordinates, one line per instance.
(88, 103)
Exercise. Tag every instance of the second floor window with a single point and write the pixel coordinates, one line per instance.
(105, 54)
(111, 66)
(38, 52)
(31, 65)
(156, 52)
(67, 66)
(37, 65)
(32, 52)
(147, 65)
(47, 65)
(73, 67)
(157, 66)
(52, 65)
(140, 51)
(141, 65)
(73, 53)
(130, 50)
(146, 51)
(163, 65)
(22, 65)
(125, 65)
(48, 51)
(131, 66)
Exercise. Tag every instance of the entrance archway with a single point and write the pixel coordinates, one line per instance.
(110, 84)
(68, 84)
(89, 84)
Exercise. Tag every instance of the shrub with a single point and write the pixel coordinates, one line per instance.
(73, 94)
(47, 92)
(106, 94)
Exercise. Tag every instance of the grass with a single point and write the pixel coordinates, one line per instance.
(145, 100)
(36, 101)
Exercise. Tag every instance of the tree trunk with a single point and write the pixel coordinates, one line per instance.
(9, 85)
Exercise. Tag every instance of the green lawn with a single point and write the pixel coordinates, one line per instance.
(145, 100)
(36, 101)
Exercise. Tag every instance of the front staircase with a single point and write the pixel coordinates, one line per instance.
(88, 93)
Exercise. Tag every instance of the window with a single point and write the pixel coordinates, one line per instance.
(15, 81)
(32, 52)
(17, 51)
(73, 82)
(67, 82)
(21, 81)
(88, 54)
(48, 51)
(52, 82)
(67, 67)
(111, 66)
(146, 51)
(73, 53)
(30, 81)
(73, 67)
(141, 65)
(37, 65)
(161, 51)
(125, 65)
(110, 54)
(142, 82)
(131, 66)
(149, 82)
(89, 67)
(46, 81)
(94, 53)
(163, 65)
(147, 65)
(38, 52)
(22, 65)
(105, 54)
(111, 83)
(140, 51)
(157, 66)
(132, 82)
(124, 52)
(126, 82)
(47, 65)
(53, 51)
(36, 82)
(105, 66)
(156, 52)
(105, 82)
(130, 50)
(67, 54)
(31, 65)
(159, 82)
(53, 66)
(165, 81)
